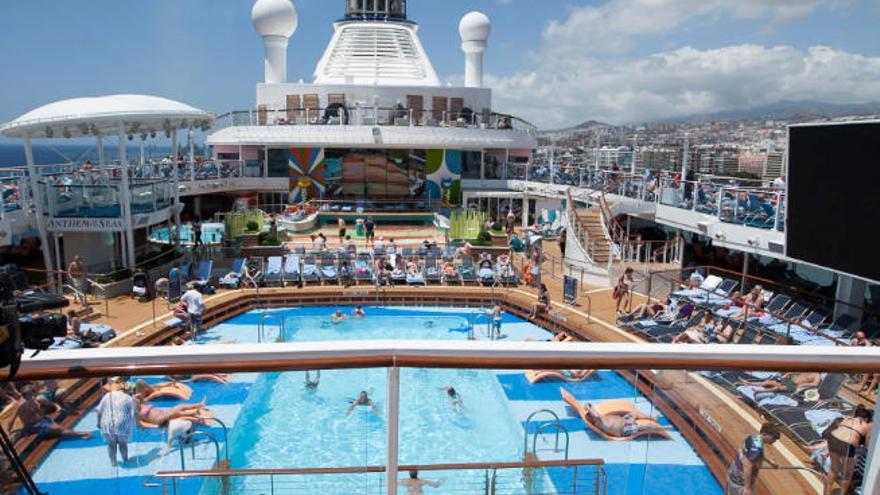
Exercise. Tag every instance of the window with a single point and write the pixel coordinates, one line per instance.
(279, 163)
(470, 164)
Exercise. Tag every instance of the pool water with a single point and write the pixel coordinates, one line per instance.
(276, 422)
(212, 233)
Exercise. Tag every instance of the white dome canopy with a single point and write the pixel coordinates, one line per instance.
(475, 26)
(274, 18)
(79, 117)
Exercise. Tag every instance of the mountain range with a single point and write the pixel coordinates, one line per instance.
(782, 110)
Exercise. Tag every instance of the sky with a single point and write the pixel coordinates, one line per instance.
(553, 62)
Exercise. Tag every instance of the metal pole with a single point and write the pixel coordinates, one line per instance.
(872, 465)
(125, 199)
(38, 205)
(745, 272)
(393, 424)
(176, 184)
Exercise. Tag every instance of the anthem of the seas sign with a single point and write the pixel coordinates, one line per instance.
(85, 224)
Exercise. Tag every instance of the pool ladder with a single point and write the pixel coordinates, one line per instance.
(191, 440)
(556, 423)
(261, 327)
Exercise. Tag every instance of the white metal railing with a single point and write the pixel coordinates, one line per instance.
(448, 354)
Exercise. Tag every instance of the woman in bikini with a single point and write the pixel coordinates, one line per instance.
(160, 416)
(843, 440)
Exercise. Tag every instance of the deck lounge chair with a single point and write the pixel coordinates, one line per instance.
(467, 273)
(827, 391)
(183, 273)
(203, 274)
(363, 268)
(272, 274)
(291, 273)
(417, 278)
(233, 278)
(571, 376)
(486, 273)
(432, 271)
(726, 287)
(613, 407)
(310, 272)
(329, 271)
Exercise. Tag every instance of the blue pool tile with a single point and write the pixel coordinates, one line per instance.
(641, 479)
(129, 485)
(140, 435)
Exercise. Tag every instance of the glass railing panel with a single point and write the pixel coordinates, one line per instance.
(89, 201)
(560, 431)
(539, 173)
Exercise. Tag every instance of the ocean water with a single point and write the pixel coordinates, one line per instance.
(12, 154)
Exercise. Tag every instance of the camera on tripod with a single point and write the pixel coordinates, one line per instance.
(20, 332)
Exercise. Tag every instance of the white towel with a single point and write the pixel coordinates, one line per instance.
(777, 400)
(821, 418)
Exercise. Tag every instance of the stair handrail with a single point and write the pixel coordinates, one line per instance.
(581, 235)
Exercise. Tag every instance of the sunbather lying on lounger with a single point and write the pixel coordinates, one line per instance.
(698, 334)
(621, 425)
(648, 310)
(145, 392)
(151, 416)
(534, 376)
(206, 377)
(788, 383)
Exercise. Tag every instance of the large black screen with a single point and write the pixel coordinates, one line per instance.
(834, 197)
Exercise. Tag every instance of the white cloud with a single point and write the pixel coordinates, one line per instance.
(615, 25)
(684, 82)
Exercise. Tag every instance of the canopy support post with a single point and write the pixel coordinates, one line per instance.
(125, 200)
(38, 205)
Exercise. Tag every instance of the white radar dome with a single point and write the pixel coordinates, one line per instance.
(475, 26)
(274, 18)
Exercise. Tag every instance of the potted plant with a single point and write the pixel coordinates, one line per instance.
(251, 235)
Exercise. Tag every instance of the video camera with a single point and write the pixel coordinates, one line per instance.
(20, 332)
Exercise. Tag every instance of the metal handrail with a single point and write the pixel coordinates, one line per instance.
(191, 441)
(222, 473)
(529, 421)
(261, 326)
(559, 427)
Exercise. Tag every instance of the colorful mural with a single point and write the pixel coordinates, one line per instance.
(307, 174)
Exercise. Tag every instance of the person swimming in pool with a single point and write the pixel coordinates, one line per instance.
(457, 402)
(313, 384)
(359, 312)
(363, 400)
(338, 317)
(414, 485)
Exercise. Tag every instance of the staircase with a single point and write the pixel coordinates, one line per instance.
(597, 245)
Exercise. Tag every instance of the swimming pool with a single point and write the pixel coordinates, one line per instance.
(212, 233)
(276, 422)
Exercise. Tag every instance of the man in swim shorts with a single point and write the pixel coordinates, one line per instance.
(621, 425)
(496, 321)
(35, 422)
(788, 383)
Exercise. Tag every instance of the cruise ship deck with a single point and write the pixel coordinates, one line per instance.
(376, 282)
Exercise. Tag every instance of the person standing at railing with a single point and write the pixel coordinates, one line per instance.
(340, 223)
(77, 273)
(743, 471)
(561, 241)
